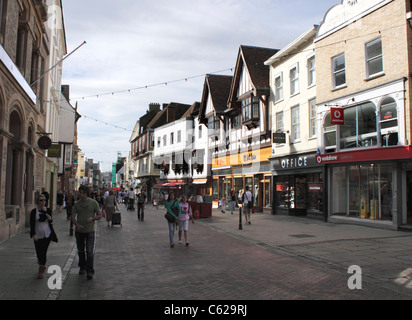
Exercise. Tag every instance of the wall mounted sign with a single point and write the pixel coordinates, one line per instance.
(279, 137)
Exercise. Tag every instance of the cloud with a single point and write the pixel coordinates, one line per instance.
(138, 43)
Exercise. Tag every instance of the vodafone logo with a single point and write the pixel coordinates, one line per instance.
(337, 116)
(329, 158)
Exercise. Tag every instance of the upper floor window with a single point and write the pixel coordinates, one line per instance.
(312, 118)
(311, 71)
(294, 81)
(295, 123)
(389, 122)
(374, 58)
(179, 136)
(279, 122)
(339, 71)
(172, 138)
(278, 88)
(250, 109)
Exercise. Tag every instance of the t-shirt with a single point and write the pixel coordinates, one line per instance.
(85, 209)
(186, 210)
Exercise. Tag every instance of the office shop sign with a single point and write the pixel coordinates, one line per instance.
(295, 162)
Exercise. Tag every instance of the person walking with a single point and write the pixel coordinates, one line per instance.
(60, 199)
(186, 213)
(232, 201)
(131, 197)
(42, 232)
(109, 205)
(141, 200)
(70, 199)
(85, 212)
(173, 207)
(247, 200)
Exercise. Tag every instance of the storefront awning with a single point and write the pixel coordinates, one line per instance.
(169, 185)
(200, 181)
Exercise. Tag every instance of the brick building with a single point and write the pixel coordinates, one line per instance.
(363, 70)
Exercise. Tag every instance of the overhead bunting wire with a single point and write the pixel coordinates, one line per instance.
(148, 86)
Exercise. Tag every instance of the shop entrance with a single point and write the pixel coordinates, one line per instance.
(291, 195)
(299, 194)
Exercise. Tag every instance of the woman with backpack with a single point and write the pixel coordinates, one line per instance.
(172, 207)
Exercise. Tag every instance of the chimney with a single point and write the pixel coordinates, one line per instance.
(66, 91)
(154, 107)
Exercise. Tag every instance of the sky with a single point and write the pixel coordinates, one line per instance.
(131, 45)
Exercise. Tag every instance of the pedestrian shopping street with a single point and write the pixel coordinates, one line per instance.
(274, 258)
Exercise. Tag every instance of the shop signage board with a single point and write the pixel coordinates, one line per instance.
(337, 116)
(366, 155)
(294, 162)
(279, 137)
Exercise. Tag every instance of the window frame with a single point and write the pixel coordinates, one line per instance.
(336, 72)
(368, 60)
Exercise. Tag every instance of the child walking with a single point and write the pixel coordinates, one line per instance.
(184, 220)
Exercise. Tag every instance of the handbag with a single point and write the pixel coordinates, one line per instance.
(169, 216)
(53, 235)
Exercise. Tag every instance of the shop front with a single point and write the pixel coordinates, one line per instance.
(298, 186)
(237, 171)
(370, 186)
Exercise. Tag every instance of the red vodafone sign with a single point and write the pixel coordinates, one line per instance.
(336, 116)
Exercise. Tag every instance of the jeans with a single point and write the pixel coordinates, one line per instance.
(41, 246)
(172, 226)
(140, 211)
(86, 259)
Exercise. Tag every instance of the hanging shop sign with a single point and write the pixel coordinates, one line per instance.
(55, 151)
(44, 142)
(337, 116)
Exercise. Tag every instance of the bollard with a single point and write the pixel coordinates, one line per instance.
(240, 218)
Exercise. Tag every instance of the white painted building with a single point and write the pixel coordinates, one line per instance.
(297, 178)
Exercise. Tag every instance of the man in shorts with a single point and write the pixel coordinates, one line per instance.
(247, 200)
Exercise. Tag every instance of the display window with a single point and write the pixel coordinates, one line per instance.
(362, 191)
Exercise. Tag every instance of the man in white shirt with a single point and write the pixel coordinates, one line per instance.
(247, 200)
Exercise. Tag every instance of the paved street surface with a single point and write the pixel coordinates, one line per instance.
(276, 257)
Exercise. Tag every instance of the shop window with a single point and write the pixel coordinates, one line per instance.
(330, 135)
(360, 128)
(389, 122)
(362, 191)
(283, 191)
